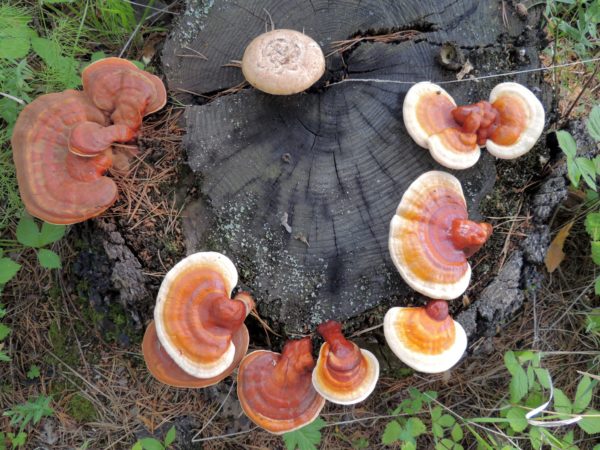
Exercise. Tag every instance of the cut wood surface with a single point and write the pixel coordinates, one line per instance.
(299, 190)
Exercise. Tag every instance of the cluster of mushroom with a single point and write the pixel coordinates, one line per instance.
(430, 240)
(508, 125)
(198, 338)
(62, 142)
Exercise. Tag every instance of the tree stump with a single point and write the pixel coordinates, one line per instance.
(299, 190)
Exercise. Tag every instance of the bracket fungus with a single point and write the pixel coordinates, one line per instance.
(509, 124)
(431, 237)
(127, 93)
(56, 185)
(283, 62)
(199, 327)
(344, 374)
(425, 338)
(276, 390)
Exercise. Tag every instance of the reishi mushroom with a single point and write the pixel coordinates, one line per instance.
(56, 185)
(283, 62)
(344, 374)
(431, 237)
(509, 124)
(425, 338)
(197, 323)
(276, 390)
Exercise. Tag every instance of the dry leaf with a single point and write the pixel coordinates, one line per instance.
(555, 254)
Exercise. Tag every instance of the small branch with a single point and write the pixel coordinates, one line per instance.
(16, 99)
(583, 89)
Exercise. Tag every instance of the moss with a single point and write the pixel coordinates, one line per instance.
(81, 409)
(65, 351)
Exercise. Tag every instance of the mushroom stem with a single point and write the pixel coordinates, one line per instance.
(502, 122)
(225, 313)
(344, 359)
(296, 360)
(437, 309)
(469, 236)
(91, 138)
(247, 299)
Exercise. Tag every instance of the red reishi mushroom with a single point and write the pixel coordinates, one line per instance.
(344, 374)
(125, 92)
(431, 236)
(165, 370)
(55, 185)
(276, 390)
(90, 138)
(508, 125)
(425, 338)
(196, 319)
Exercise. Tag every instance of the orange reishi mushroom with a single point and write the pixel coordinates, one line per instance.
(431, 236)
(276, 390)
(425, 338)
(165, 370)
(344, 374)
(195, 317)
(509, 124)
(127, 93)
(55, 185)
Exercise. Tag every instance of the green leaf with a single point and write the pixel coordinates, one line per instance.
(137, 446)
(28, 233)
(437, 430)
(49, 259)
(14, 47)
(4, 357)
(51, 233)
(457, 433)
(562, 404)
(151, 444)
(33, 372)
(592, 225)
(306, 438)
(518, 384)
(446, 421)
(4, 331)
(50, 51)
(390, 435)
(543, 377)
(8, 269)
(19, 439)
(583, 396)
(588, 171)
(516, 419)
(535, 437)
(593, 124)
(566, 143)
(436, 413)
(592, 320)
(170, 436)
(591, 425)
(415, 426)
(597, 286)
(445, 444)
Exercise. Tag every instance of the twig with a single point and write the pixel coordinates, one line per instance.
(583, 89)
(194, 439)
(12, 97)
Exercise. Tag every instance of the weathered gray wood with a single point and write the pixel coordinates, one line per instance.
(336, 159)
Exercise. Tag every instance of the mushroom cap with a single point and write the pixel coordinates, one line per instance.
(427, 114)
(56, 186)
(420, 241)
(283, 62)
(275, 390)
(196, 318)
(165, 370)
(113, 82)
(423, 342)
(516, 103)
(90, 138)
(344, 374)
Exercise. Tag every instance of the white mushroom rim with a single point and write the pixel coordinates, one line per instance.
(532, 130)
(359, 393)
(210, 260)
(444, 155)
(419, 361)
